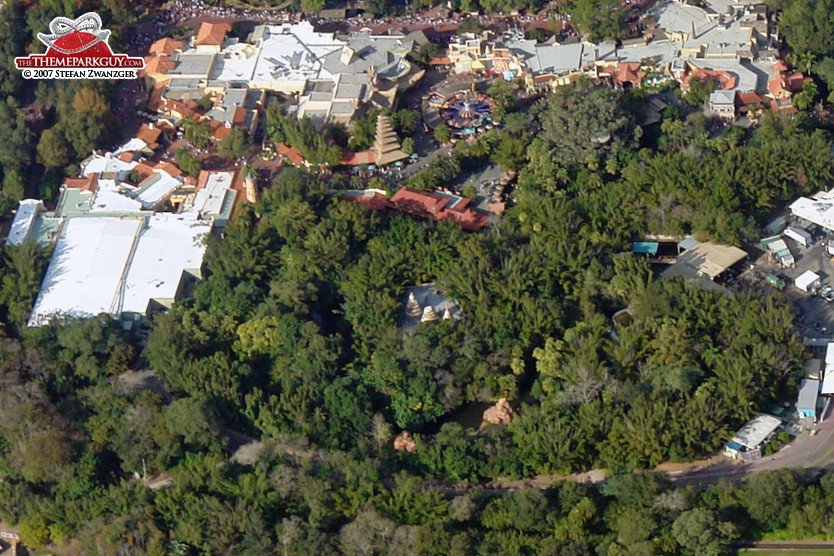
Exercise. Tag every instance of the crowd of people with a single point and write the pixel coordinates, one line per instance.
(183, 10)
(436, 20)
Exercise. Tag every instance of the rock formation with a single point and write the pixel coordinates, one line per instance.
(499, 414)
(404, 442)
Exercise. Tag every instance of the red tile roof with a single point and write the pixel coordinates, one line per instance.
(187, 107)
(376, 201)
(157, 65)
(786, 83)
(143, 169)
(169, 168)
(87, 183)
(149, 133)
(427, 205)
(419, 200)
(166, 45)
(291, 153)
(127, 156)
(212, 34)
(219, 130)
(441, 61)
(155, 100)
(748, 98)
(433, 205)
(628, 73)
(358, 158)
(239, 116)
(783, 106)
(727, 80)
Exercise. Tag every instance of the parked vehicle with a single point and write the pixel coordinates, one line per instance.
(827, 294)
(775, 281)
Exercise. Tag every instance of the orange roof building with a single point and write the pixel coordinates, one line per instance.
(628, 74)
(425, 204)
(149, 133)
(166, 46)
(143, 169)
(212, 34)
(179, 108)
(727, 80)
(374, 201)
(785, 83)
(439, 207)
(157, 66)
(87, 183)
(360, 158)
(292, 154)
(169, 168)
(155, 100)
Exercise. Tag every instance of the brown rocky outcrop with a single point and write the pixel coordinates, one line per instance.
(404, 442)
(498, 414)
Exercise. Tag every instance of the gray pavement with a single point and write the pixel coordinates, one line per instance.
(806, 451)
(815, 316)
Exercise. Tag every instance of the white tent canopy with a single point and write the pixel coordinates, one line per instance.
(829, 354)
(828, 380)
(806, 280)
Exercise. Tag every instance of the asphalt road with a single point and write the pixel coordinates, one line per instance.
(809, 452)
(786, 545)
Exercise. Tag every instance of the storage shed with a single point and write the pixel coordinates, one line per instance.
(808, 281)
(747, 442)
(806, 404)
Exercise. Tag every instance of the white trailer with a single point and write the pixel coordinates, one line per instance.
(799, 235)
(808, 281)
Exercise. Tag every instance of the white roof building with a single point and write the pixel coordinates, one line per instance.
(209, 200)
(807, 281)
(115, 265)
(27, 211)
(828, 381)
(722, 97)
(289, 55)
(170, 246)
(108, 163)
(807, 400)
(819, 211)
(157, 188)
(553, 58)
(756, 431)
(111, 196)
(87, 268)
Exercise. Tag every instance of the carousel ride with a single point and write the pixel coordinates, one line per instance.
(467, 111)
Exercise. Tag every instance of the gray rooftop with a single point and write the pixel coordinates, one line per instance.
(808, 391)
(349, 90)
(722, 97)
(191, 65)
(342, 108)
